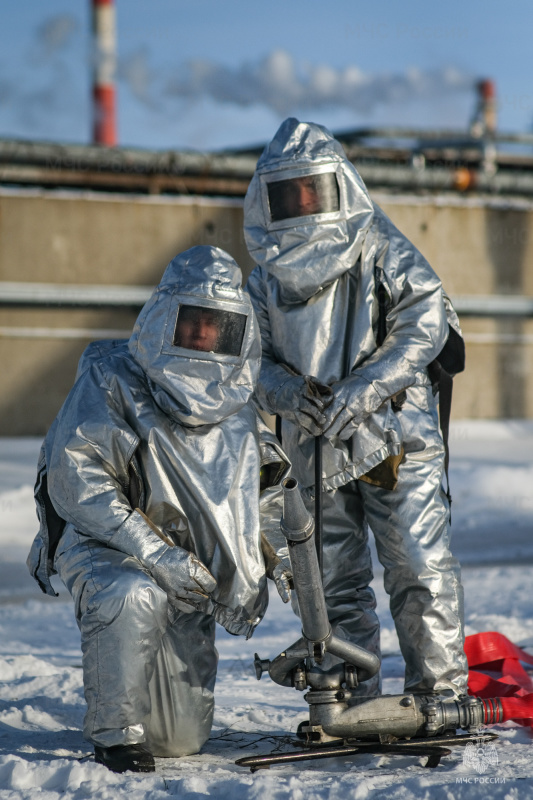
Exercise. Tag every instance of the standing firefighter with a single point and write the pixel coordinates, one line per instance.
(351, 316)
(148, 496)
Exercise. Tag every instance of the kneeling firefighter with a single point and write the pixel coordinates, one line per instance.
(148, 498)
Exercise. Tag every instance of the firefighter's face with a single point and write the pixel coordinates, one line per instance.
(302, 197)
(197, 329)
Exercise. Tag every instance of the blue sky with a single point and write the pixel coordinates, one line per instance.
(207, 74)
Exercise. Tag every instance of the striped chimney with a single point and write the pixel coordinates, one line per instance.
(487, 103)
(104, 106)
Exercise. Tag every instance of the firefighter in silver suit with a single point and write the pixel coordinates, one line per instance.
(324, 251)
(148, 501)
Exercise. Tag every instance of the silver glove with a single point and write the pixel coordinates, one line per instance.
(179, 573)
(282, 577)
(354, 399)
(276, 570)
(302, 400)
(183, 577)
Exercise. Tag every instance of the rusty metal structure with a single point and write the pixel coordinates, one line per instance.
(479, 160)
(388, 158)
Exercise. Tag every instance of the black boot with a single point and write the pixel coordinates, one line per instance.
(123, 757)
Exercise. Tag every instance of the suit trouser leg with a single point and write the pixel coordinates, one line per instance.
(350, 601)
(182, 686)
(422, 578)
(137, 663)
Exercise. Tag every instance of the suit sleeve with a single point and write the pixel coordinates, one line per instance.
(417, 327)
(88, 463)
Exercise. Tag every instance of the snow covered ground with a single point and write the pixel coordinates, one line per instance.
(42, 752)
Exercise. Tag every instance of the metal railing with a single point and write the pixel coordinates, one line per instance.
(59, 295)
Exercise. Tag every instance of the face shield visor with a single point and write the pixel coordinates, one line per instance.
(209, 330)
(303, 196)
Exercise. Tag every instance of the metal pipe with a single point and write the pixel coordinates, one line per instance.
(280, 668)
(493, 306)
(122, 175)
(125, 159)
(23, 332)
(402, 715)
(298, 527)
(445, 179)
(392, 132)
(72, 295)
(367, 663)
(119, 167)
(318, 504)
(399, 715)
(28, 295)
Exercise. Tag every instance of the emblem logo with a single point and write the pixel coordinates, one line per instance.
(480, 755)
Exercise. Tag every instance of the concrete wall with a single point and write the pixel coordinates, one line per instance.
(61, 237)
(480, 247)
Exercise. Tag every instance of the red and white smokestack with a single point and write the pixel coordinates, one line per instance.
(487, 102)
(104, 101)
(485, 117)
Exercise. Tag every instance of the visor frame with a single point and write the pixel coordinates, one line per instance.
(179, 299)
(306, 170)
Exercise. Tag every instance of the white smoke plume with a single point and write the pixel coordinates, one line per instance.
(54, 34)
(39, 94)
(134, 69)
(44, 90)
(280, 84)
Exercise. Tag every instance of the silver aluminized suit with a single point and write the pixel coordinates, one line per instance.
(314, 291)
(156, 449)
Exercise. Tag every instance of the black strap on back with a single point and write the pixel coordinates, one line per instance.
(445, 410)
(278, 428)
(443, 383)
(383, 307)
(448, 363)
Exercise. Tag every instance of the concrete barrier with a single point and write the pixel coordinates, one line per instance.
(478, 246)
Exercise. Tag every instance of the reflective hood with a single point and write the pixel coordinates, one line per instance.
(306, 211)
(197, 339)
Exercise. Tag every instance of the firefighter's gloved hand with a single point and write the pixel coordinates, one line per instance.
(282, 577)
(179, 573)
(302, 400)
(276, 570)
(354, 399)
(183, 577)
